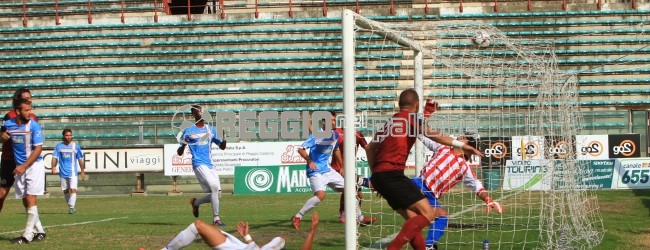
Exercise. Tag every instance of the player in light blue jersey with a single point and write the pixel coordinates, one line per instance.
(27, 138)
(199, 138)
(320, 172)
(67, 156)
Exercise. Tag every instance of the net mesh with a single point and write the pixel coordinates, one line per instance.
(511, 92)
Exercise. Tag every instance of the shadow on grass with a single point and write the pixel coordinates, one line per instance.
(154, 223)
(466, 225)
(279, 223)
(644, 194)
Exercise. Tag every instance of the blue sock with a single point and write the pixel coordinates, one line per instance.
(436, 230)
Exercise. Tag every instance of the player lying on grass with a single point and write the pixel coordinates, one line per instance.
(221, 240)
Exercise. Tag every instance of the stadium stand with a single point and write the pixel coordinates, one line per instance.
(106, 70)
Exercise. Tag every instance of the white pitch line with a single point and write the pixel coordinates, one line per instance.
(72, 224)
(385, 241)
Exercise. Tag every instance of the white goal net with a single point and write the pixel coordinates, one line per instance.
(525, 109)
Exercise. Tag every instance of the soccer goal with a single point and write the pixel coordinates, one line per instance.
(525, 109)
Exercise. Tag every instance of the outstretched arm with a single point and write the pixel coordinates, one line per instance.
(312, 231)
(475, 185)
(438, 137)
(242, 229)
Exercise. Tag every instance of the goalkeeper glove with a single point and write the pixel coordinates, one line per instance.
(429, 108)
(493, 205)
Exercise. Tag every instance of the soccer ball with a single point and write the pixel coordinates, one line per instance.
(481, 39)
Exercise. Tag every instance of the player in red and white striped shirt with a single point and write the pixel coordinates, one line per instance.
(446, 168)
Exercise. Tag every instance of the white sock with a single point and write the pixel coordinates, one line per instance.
(67, 198)
(39, 226)
(73, 200)
(184, 238)
(309, 205)
(32, 218)
(215, 205)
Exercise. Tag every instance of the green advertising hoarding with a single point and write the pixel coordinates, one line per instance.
(595, 174)
(600, 175)
(281, 179)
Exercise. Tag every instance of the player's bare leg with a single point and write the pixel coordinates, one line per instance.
(3, 195)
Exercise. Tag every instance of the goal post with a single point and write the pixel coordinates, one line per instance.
(349, 21)
(507, 90)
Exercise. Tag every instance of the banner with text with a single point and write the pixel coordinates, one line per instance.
(278, 179)
(592, 147)
(235, 154)
(536, 175)
(138, 160)
(496, 150)
(526, 175)
(527, 147)
(632, 173)
(591, 174)
(624, 145)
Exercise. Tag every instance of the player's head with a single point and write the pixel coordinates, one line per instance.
(197, 111)
(471, 140)
(21, 94)
(67, 135)
(410, 100)
(24, 110)
(332, 120)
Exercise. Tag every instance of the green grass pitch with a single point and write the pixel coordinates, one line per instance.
(124, 222)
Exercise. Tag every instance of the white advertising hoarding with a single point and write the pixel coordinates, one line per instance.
(526, 175)
(533, 147)
(235, 154)
(632, 173)
(138, 160)
(592, 147)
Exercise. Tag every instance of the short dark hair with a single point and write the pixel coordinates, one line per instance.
(408, 98)
(196, 107)
(66, 130)
(473, 141)
(18, 96)
(17, 103)
(333, 113)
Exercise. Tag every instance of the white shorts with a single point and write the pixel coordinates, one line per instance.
(319, 182)
(232, 243)
(207, 177)
(69, 183)
(31, 182)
